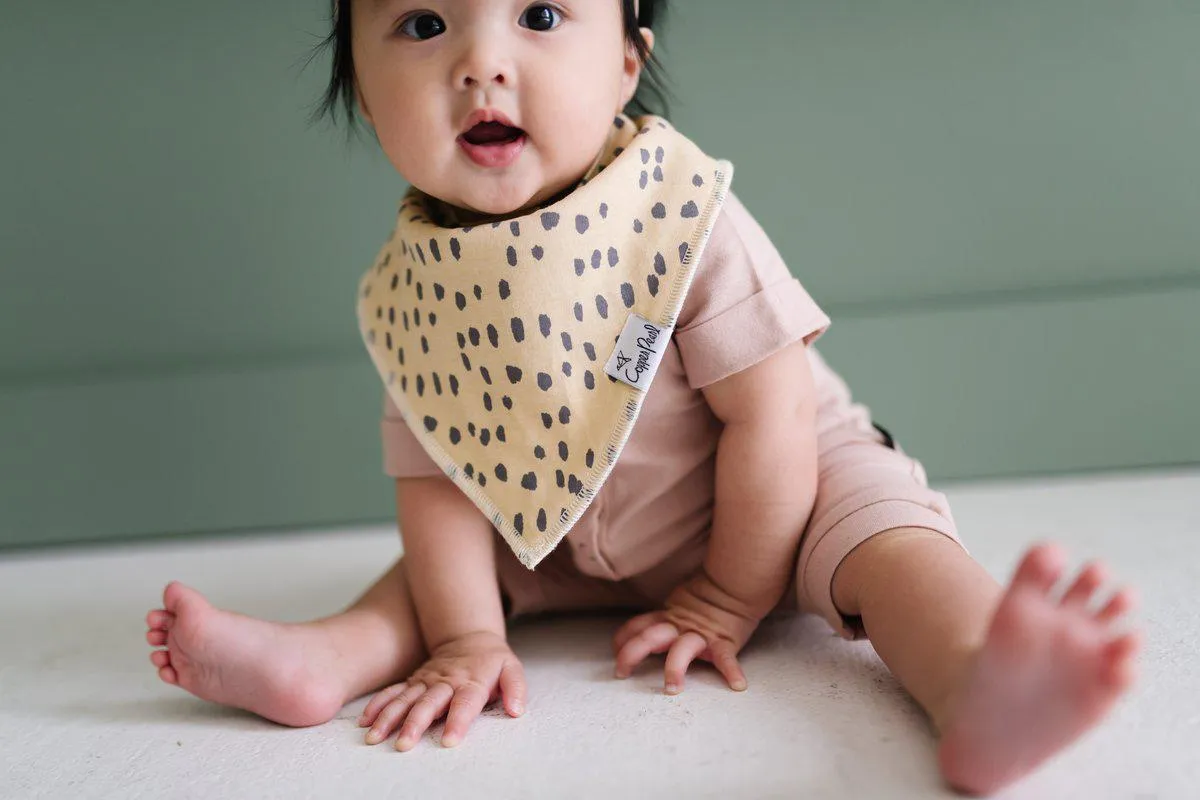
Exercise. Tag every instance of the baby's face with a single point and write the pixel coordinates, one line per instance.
(494, 106)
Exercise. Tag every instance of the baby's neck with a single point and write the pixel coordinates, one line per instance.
(448, 215)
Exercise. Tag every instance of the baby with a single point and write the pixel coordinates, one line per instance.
(596, 364)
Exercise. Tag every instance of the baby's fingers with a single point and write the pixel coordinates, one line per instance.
(680, 657)
(512, 687)
(724, 658)
(467, 704)
(654, 639)
(634, 627)
(379, 702)
(431, 706)
(391, 715)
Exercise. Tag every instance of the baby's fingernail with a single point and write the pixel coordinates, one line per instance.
(672, 688)
(517, 708)
(739, 686)
(450, 741)
(373, 737)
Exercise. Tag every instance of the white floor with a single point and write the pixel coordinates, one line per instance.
(83, 715)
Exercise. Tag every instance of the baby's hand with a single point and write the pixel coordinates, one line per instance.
(695, 624)
(461, 677)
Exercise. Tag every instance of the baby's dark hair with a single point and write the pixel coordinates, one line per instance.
(651, 96)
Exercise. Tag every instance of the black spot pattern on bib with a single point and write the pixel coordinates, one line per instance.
(514, 374)
(549, 220)
(502, 472)
(431, 424)
(529, 481)
(581, 224)
(544, 325)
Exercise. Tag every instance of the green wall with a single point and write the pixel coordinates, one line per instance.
(998, 203)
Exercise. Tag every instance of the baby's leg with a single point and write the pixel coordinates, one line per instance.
(1010, 676)
(294, 674)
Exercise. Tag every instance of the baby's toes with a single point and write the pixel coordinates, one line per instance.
(1090, 578)
(1118, 665)
(156, 637)
(1120, 604)
(160, 619)
(160, 658)
(1040, 569)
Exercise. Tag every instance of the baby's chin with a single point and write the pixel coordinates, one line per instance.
(503, 202)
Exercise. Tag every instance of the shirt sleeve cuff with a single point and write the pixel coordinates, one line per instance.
(740, 337)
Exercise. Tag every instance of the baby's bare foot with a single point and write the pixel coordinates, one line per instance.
(1047, 673)
(281, 672)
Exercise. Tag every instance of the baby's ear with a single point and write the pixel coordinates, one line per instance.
(633, 68)
(648, 35)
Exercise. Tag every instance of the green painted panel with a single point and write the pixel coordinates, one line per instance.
(995, 200)
(1012, 389)
(164, 201)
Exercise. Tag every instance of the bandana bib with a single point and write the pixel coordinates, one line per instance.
(519, 352)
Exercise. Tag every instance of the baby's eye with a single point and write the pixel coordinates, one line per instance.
(423, 26)
(541, 18)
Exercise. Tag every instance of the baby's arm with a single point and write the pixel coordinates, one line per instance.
(449, 560)
(766, 487)
(450, 565)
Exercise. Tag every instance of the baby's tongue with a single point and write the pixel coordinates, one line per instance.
(491, 133)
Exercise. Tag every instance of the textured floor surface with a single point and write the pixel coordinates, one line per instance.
(83, 715)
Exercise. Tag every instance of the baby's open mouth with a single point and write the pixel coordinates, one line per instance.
(493, 144)
(492, 133)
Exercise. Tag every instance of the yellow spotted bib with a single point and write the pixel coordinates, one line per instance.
(519, 352)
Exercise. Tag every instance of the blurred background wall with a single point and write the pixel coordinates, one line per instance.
(997, 202)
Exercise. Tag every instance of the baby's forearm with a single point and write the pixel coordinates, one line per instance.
(766, 487)
(449, 561)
